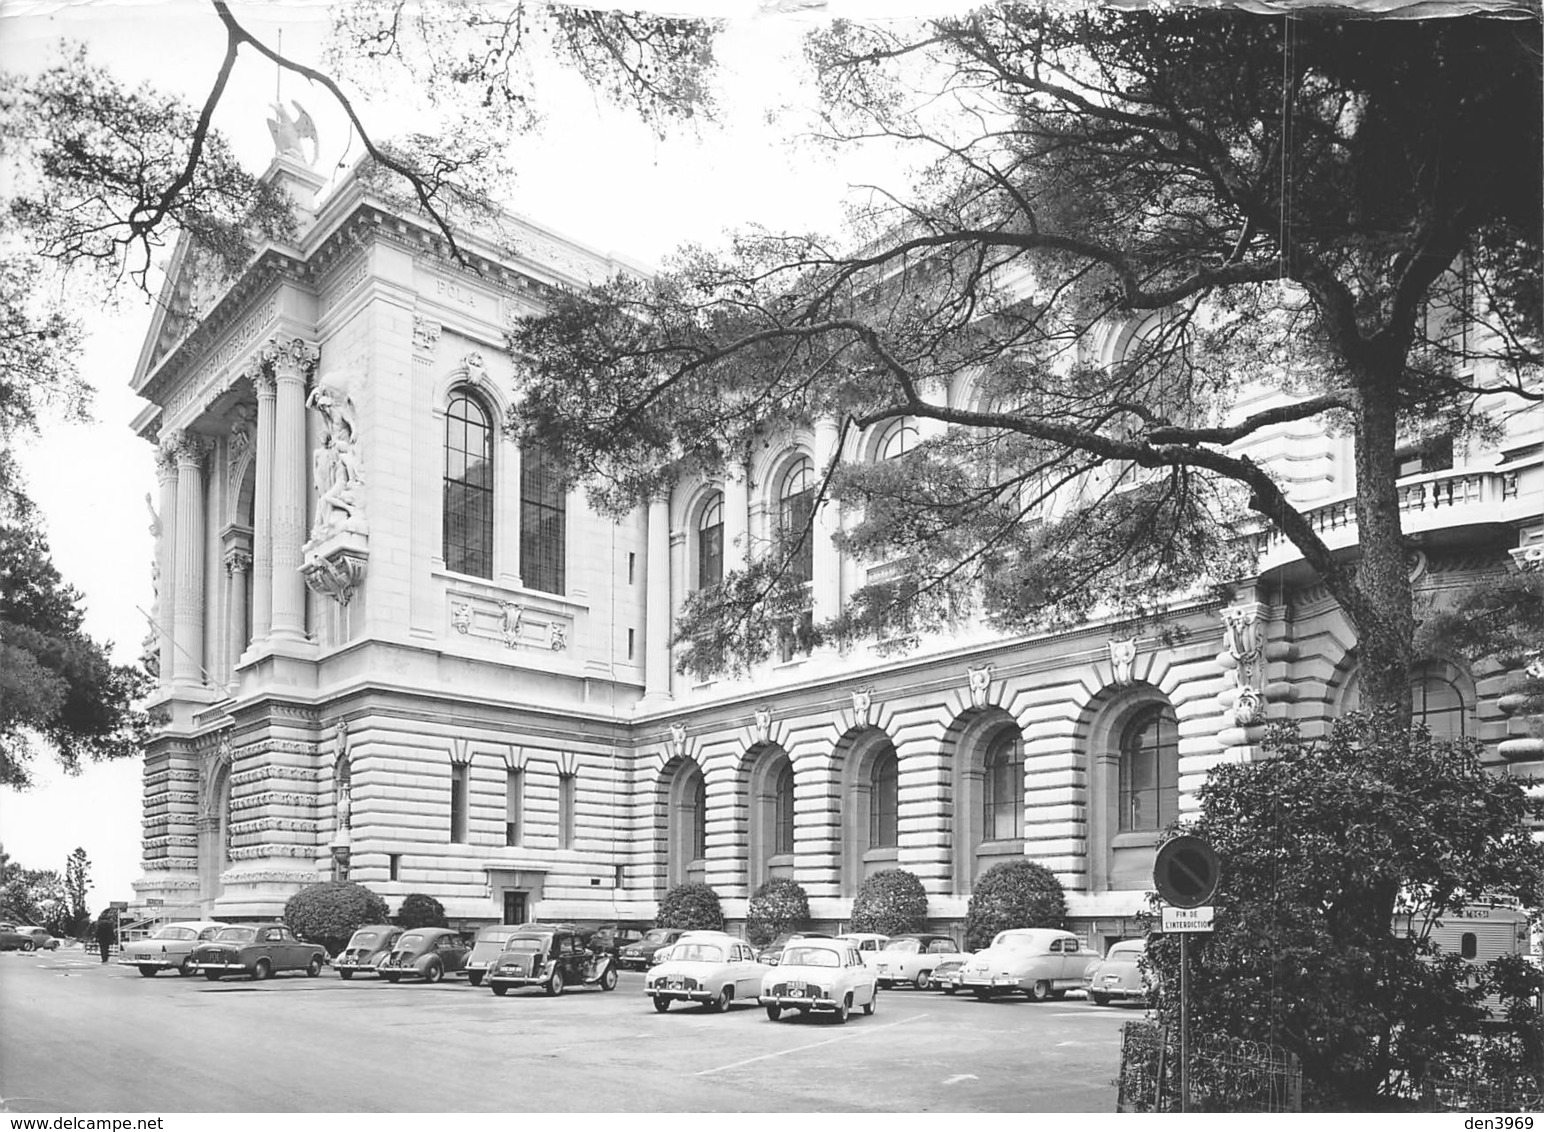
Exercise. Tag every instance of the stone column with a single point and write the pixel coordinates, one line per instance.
(188, 617)
(827, 562)
(166, 560)
(238, 563)
(656, 626)
(737, 517)
(262, 509)
(292, 364)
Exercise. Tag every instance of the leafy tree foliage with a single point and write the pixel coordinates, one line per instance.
(57, 685)
(33, 896)
(1154, 184)
(1018, 893)
(778, 906)
(691, 906)
(890, 901)
(77, 881)
(420, 911)
(328, 912)
(1337, 857)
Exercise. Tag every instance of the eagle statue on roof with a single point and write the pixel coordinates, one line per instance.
(289, 133)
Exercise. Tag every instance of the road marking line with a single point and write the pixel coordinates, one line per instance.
(811, 1045)
(958, 1077)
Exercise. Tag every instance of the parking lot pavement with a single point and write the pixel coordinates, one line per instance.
(297, 1044)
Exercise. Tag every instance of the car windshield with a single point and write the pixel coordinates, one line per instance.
(495, 935)
(810, 957)
(410, 941)
(906, 946)
(697, 953)
(235, 935)
(363, 939)
(657, 936)
(525, 940)
(175, 933)
(1127, 951)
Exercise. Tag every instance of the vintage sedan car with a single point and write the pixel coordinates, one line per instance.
(21, 937)
(949, 971)
(911, 959)
(822, 976)
(639, 955)
(713, 968)
(170, 948)
(1042, 962)
(868, 944)
(365, 950)
(487, 945)
(1119, 974)
(773, 951)
(425, 953)
(612, 938)
(259, 950)
(550, 958)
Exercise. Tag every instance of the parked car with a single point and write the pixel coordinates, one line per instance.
(1119, 974)
(911, 959)
(949, 971)
(365, 950)
(170, 948)
(22, 937)
(773, 951)
(259, 950)
(550, 958)
(425, 953)
(868, 944)
(42, 939)
(487, 944)
(819, 975)
(640, 954)
(713, 968)
(612, 938)
(1042, 962)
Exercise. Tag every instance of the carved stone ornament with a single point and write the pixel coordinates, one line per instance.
(476, 368)
(559, 636)
(1249, 706)
(238, 560)
(678, 738)
(1123, 656)
(336, 568)
(1241, 632)
(862, 703)
(189, 448)
(426, 335)
(980, 682)
(461, 616)
(241, 441)
(763, 724)
(290, 133)
(1528, 558)
(338, 463)
(514, 619)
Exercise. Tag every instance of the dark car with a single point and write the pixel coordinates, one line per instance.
(259, 950)
(612, 938)
(425, 953)
(365, 949)
(550, 958)
(641, 954)
(25, 938)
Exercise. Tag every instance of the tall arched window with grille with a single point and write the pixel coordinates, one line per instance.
(700, 819)
(467, 535)
(899, 438)
(543, 523)
(884, 800)
(1439, 705)
(1002, 789)
(783, 811)
(1149, 770)
(710, 542)
(795, 508)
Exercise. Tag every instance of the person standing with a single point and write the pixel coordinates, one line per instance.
(106, 932)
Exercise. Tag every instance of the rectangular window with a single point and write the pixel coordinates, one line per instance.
(394, 866)
(566, 811)
(543, 524)
(632, 568)
(631, 640)
(514, 804)
(459, 779)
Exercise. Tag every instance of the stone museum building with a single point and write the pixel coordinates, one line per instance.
(391, 649)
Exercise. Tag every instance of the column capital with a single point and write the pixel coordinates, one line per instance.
(238, 560)
(166, 458)
(188, 449)
(291, 359)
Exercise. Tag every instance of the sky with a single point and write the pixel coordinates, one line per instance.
(592, 173)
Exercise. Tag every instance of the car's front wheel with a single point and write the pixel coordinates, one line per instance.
(501, 991)
(314, 968)
(475, 978)
(345, 974)
(434, 971)
(26, 945)
(185, 968)
(843, 1010)
(147, 970)
(555, 983)
(1039, 990)
(262, 970)
(661, 1004)
(725, 997)
(1099, 999)
(608, 978)
(872, 1004)
(923, 981)
(212, 976)
(774, 1012)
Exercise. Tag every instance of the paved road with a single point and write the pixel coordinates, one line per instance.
(80, 1037)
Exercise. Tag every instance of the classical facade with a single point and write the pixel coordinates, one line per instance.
(391, 649)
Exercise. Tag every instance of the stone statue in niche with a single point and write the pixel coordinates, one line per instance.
(150, 647)
(337, 463)
(980, 682)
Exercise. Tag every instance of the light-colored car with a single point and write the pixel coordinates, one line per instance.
(169, 948)
(365, 950)
(487, 944)
(949, 971)
(912, 959)
(1119, 975)
(868, 944)
(819, 975)
(1042, 962)
(712, 968)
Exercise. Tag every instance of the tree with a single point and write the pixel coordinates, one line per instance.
(690, 906)
(32, 896)
(778, 906)
(56, 683)
(1249, 210)
(328, 912)
(1017, 893)
(890, 902)
(1336, 857)
(420, 911)
(77, 880)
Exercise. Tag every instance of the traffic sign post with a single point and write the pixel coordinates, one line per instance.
(1188, 919)
(1185, 874)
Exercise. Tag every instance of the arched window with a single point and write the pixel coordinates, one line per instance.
(783, 812)
(1439, 705)
(899, 438)
(1149, 770)
(543, 523)
(1002, 789)
(795, 507)
(884, 801)
(467, 537)
(710, 542)
(700, 819)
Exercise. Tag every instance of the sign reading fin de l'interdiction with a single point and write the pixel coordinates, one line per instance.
(1187, 919)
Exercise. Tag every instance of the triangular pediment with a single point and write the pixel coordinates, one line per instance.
(195, 279)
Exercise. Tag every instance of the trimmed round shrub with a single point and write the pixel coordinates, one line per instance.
(420, 911)
(1013, 894)
(891, 901)
(690, 906)
(778, 906)
(330, 911)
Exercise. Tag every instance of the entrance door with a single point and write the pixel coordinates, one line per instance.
(514, 907)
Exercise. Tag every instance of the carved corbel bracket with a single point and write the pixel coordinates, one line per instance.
(335, 566)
